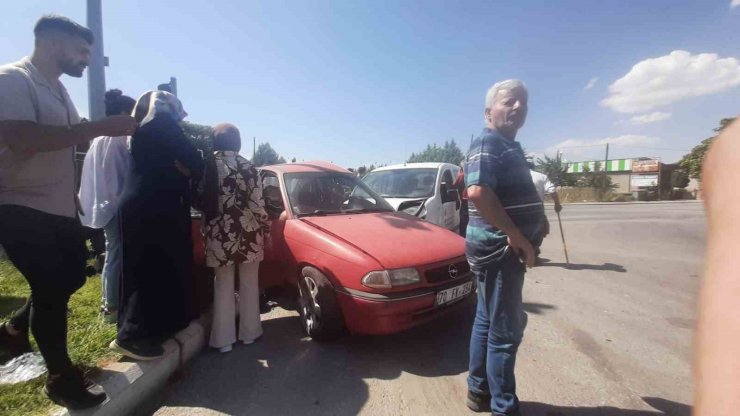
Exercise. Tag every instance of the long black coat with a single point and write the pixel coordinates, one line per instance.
(156, 279)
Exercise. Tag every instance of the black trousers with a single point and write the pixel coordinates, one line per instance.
(49, 251)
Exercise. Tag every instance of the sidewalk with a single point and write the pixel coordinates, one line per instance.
(130, 385)
(683, 201)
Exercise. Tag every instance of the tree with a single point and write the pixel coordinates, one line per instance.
(292, 160)
(266, 155)
(200, 135)
(680, 179)
(448, 153)
(553, 168)
(694, 161)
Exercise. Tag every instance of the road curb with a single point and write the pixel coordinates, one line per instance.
(685, 201)
(130, 385)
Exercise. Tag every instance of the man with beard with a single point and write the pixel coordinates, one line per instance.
(39, 228)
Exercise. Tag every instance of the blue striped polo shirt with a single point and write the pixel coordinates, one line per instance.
(499, 163)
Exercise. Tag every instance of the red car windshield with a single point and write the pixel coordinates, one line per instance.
(327, 193)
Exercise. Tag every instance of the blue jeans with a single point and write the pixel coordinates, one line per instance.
(112, 267)
(497, 332)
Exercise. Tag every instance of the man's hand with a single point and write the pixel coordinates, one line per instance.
(523, 248)
(115, 126)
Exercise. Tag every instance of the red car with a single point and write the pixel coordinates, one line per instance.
(355, 262)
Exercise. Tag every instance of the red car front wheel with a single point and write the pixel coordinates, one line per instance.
(321, 315)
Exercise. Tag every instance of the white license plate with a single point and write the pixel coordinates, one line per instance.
(453, 293)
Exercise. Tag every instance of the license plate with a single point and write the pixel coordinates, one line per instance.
(453, 293)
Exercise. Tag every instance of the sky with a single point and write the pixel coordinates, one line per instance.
(370, 82)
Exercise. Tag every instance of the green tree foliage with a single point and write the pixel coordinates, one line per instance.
(266, 155)
(554, 168)
(680, 179)
(694, 161)
(292, 160)
(199, 135)
(448, 153)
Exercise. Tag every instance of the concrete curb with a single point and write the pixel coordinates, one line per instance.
(131, 384)
(683, 201)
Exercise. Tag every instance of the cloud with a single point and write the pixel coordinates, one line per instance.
(579, 149)
(674, 77)
(594, 80)
(652, 117)
(735, 3)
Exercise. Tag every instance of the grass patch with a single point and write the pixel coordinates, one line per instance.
(88, 338)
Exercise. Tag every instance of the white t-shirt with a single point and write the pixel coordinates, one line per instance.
(44, 181)
(542, 184)
(108, 165)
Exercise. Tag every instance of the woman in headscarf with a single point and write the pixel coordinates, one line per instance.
(156, 229)
(106, 169)
(235, 230)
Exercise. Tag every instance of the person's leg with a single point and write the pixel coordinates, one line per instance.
(505, 334)
(112, 268)
(35, 243)
(477, 377)
(223, 330)
(250, 326)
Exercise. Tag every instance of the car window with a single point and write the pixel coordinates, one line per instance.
(326, 193)
(271, 193)
(403, 183)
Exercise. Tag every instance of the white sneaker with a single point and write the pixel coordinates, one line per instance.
(250, 342)
(225, 349)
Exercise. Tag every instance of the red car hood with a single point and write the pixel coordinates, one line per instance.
(395, 240)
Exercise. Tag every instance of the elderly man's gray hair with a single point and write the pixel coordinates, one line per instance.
(509, 84)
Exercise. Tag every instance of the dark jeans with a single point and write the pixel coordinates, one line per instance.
(497, 332)
(49, 251)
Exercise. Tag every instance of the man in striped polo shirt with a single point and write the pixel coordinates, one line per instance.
(505, 217)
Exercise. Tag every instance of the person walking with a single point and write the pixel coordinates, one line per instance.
(156, 279)
(106, 168)
(39, 228)
(235, 231)
(505, 216)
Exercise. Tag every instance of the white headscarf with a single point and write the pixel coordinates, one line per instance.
(160, 102)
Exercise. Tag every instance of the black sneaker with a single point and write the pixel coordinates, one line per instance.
(15, 345)
(73, 390)
(143, 351)
(479, 402)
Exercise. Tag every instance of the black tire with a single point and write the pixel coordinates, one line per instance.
(321, 316)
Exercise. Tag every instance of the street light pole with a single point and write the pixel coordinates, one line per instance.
(96, 71)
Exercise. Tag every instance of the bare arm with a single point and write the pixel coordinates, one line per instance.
(717, 367)
(489, 207)
(556, 200)
(27, 137)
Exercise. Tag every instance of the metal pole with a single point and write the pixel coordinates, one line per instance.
(562, 237)
(96, 71)
(606, 162)
(173, 85)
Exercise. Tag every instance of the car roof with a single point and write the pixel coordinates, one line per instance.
(426, 165)
(311, 166)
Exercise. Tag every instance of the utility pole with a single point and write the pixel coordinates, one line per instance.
(96, 70)
(254, 147)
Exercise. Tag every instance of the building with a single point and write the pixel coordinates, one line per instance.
(629, 175)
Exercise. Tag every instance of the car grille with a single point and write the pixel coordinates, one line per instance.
(442, 274)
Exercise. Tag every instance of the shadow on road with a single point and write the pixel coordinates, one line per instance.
(664, 407)
(286, 373)
(537, 308)
(611, 267)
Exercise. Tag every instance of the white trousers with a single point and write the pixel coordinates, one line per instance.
(223, 330)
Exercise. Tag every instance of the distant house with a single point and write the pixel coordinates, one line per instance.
(629, 175)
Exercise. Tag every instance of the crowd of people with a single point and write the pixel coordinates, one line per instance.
(140, 178)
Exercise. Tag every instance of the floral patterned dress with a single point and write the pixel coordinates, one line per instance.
(236, 235)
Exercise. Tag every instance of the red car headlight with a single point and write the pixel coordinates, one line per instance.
(386, 279)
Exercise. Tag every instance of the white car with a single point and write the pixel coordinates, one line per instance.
(424, 190)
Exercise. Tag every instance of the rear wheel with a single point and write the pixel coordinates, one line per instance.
(321, 315)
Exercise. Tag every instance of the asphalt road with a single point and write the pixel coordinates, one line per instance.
(609, 335)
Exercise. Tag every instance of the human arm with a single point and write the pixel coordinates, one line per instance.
(716, 363)
(489, 207)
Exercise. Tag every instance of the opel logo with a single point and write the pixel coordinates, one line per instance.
(452, 270)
